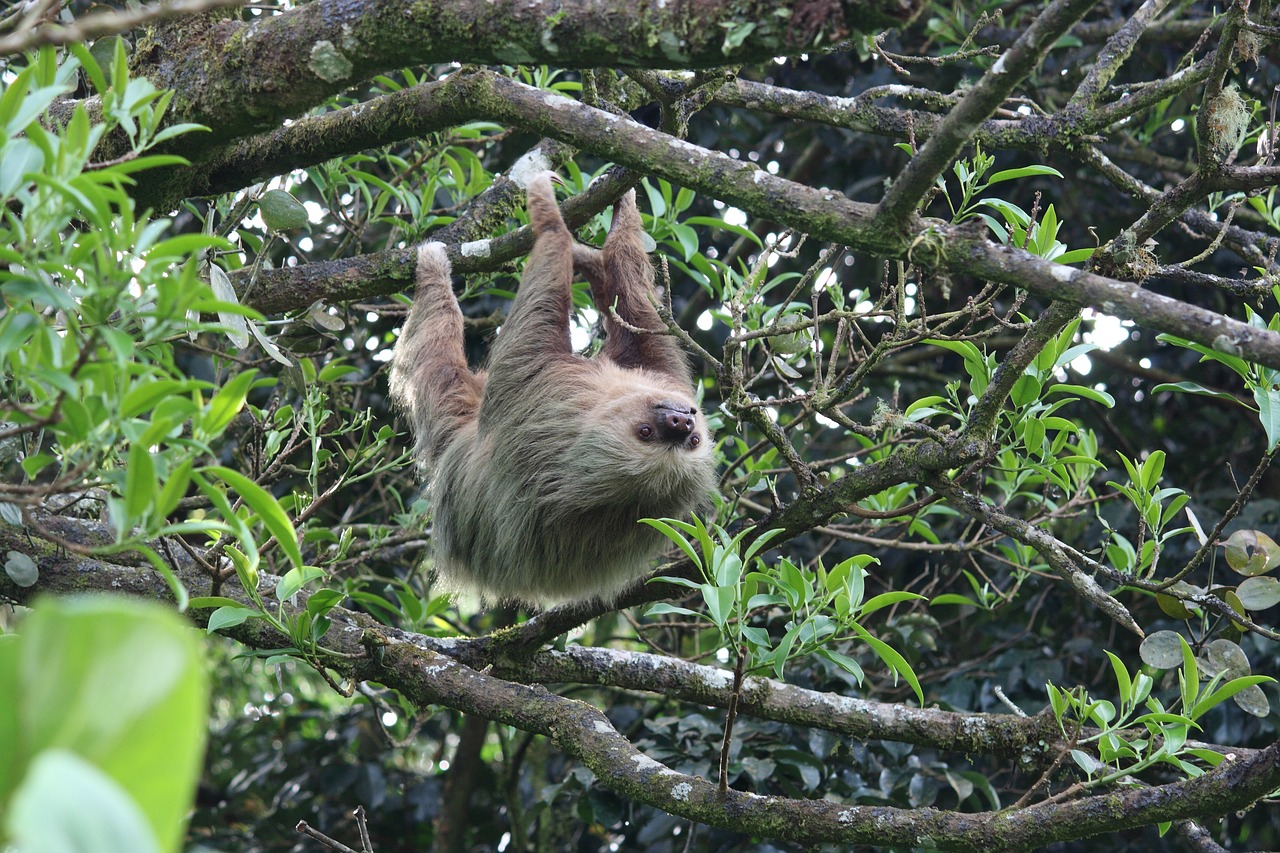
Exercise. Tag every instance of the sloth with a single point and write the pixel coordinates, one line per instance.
(541, 466)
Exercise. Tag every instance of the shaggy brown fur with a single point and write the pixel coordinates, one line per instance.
(541, 467)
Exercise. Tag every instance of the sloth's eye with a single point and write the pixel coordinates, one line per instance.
(695, 440)
(645, 431)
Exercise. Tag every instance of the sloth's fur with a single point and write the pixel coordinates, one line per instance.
(541, 466)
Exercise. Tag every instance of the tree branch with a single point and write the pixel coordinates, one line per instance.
(253, 75)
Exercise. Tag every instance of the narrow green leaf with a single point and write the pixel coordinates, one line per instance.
(1123, 681)
(140, 485)
(174, 489)
(885, 599)
(1075, 256)
(1152, 469)
(662, 608)
(144, 396)
(892, 658)
(227, 403)
(266, 507)
(322, 601)
(1024, 172)
(1195, 388)
(1100, 397)
(953, 598)
(1226, 691)
(204, 602)
(666, 528)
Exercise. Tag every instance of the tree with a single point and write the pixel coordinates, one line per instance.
(982, 299)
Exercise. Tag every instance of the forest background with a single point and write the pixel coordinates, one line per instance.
(982, 301)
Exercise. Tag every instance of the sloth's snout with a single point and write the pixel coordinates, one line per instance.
(675, 421)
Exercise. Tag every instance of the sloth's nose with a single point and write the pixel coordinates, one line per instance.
(674, 423)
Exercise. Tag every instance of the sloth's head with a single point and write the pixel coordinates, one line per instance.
(650, 440)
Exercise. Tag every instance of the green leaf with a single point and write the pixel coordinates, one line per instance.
(758, 544)
(1123, 680)
(1268, 399)
(335, 370)
(322, 601)
(1152, 469)
(1226, 691)
(120, 684)
(295, 579)
(719, 600)
(30, 106)
(151, 161)
(172, 130)
(246, 564)
(174, 488)
(281, 211)
(923, 403)
(736, 33)
(1075, 256)
(886, 599)
(687, 237)
(144, 396)
(227, 403)
(1195, 388)
(230, 616)
(1025, 391)
(1189, 676)
(203, 602)
(711, 222)
(1239, 365)
(662, 608)
(666, 528)
(141, 486)
(892, 658)
(1012, 214)
(1100, 397)
(953, 598)
(67, 804)
(1259, 593)
(1024, 172)
(845, 662)
(266, 507)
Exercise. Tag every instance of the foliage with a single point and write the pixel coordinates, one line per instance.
(1128, 741)
(820, 610)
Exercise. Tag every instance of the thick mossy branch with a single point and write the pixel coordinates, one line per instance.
(236, 77)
